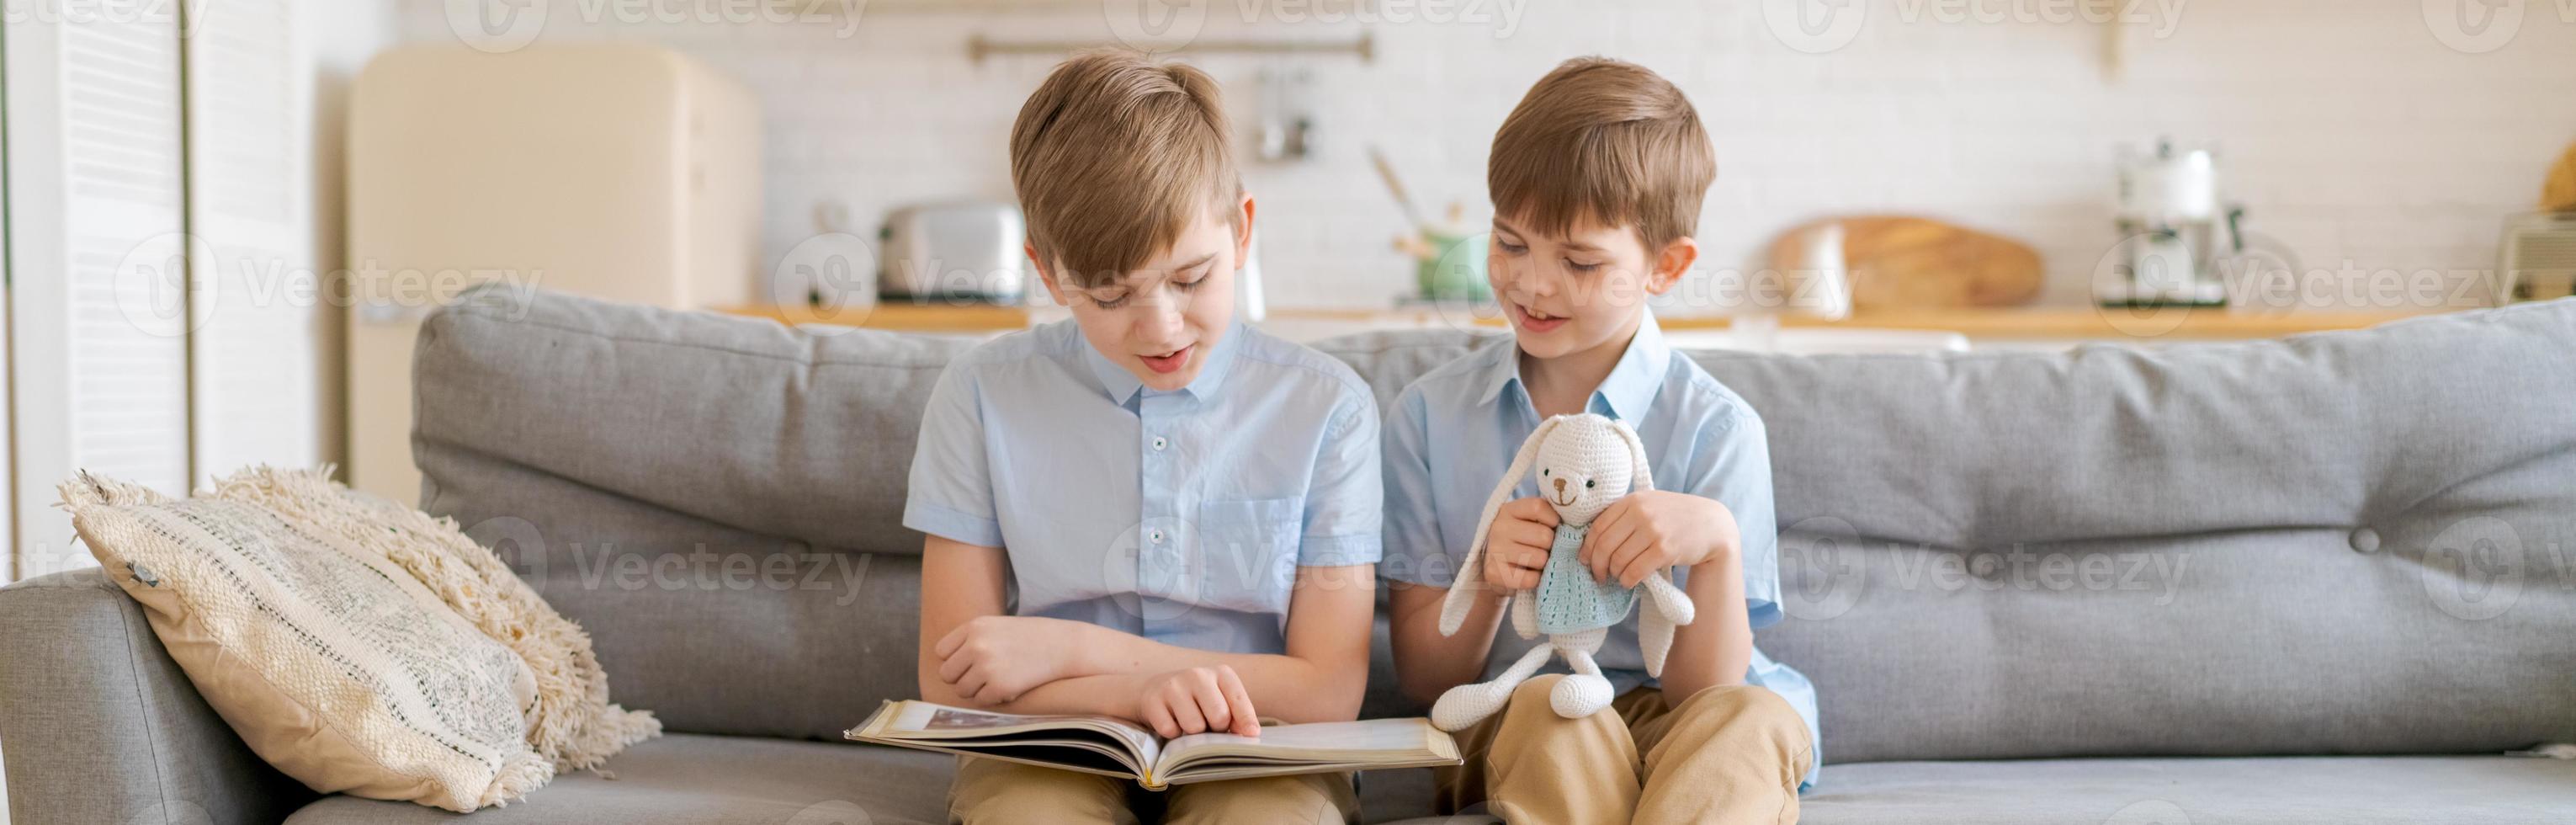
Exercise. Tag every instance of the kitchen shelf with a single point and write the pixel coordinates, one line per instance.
(2028, 323)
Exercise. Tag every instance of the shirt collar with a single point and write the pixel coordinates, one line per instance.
(1123, 386)
(1629, 388)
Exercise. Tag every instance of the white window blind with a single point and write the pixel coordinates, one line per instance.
(97, 275)
(257, 350)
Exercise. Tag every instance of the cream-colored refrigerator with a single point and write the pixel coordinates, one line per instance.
(616, 170)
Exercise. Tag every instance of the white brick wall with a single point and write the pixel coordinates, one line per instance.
(2350, 132)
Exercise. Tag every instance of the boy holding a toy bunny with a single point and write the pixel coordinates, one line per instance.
(1597, 178)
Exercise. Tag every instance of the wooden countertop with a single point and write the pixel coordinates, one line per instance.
(2029, 323)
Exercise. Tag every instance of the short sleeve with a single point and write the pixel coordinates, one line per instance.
(951, 486)
(1414, 552)
(1733, 466)
(1343, 498)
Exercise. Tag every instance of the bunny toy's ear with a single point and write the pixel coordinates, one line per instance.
(1642, 478)
(1471, 573)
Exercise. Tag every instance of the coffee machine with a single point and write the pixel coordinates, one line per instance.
(2174, 233)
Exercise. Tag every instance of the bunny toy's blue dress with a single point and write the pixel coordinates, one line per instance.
(1569, 601)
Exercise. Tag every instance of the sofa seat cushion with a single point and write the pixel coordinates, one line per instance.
(724, 780)
(713, 780)
(731, 780)
(2433, 789)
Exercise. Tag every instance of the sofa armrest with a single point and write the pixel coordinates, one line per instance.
(99, 725)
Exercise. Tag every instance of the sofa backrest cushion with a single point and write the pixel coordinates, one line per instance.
(2353, 542)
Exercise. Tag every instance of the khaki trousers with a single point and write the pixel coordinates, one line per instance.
(1728, 754)
(994, 792)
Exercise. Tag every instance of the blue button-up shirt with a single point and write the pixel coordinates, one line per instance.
(1453, 432)
(1178, 516)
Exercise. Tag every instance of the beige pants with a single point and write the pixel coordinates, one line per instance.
(994, 792)
(1730, 754)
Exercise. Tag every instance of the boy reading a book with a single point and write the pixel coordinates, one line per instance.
(1596, 179)
(1185, 507)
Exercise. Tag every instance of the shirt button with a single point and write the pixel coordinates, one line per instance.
(2365, 540)
(1155, 535)
(1160, 443)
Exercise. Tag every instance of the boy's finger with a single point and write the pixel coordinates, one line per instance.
(1185, 714)
(1522, 572)
(1533, 510)
(1633, 561)
(1216, 708)
(948, 644)
(1623, 511)
(953, 666)
(1208, 689)
(1613, 514)
(968, 683)
(1246, 722)
(1601, 544)
(1159, 718)
(1542, 512)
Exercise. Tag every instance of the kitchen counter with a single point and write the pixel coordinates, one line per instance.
(2016, 324)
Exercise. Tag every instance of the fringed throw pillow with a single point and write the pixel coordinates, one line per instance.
(572, 722)
(331, 661)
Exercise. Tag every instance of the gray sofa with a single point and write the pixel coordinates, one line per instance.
(2326, 579)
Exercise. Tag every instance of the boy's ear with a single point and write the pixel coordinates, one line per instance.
(1046, 274)
(1243, 233)
(1671, 263)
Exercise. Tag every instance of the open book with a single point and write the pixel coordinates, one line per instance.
(1116, 747)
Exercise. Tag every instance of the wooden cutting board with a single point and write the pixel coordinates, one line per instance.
(1902, 262)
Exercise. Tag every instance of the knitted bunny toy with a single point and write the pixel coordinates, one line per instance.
(1584, 462)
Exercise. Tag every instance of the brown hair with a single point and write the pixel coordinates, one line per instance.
(1606, 140)
(1114, 156)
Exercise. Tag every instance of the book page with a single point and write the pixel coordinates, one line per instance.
(1365, 743)
(1101, 744)
(913, 722)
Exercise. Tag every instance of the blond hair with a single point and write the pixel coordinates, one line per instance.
(1116, 155)
(1603, 140)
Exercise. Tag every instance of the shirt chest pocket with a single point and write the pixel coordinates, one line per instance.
(1247, 553)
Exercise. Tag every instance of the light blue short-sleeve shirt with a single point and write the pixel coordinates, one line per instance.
(1452, 434)
(1178, 516)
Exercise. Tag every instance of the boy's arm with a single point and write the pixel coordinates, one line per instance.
(1420, 569)
(1320, 679)
(1324, 670)
(1717, 647)
(1720, 525)
(963, 568)
(960, 583)
(1428, 664)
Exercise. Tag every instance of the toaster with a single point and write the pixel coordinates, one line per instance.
(2539, 257)
(969, 251)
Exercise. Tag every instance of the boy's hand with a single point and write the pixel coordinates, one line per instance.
(1645, 532)
(1517, 545)
(993, 659)
(1197, 700)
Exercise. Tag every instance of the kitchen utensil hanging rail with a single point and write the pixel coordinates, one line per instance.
(979, 47)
